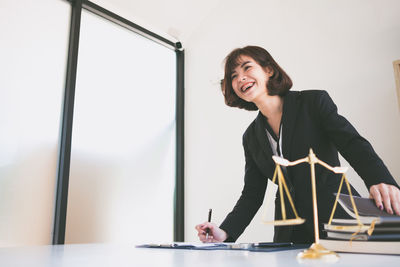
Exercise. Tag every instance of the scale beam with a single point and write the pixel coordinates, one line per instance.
(316, 251)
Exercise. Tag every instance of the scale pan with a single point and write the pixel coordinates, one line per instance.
(286, 222)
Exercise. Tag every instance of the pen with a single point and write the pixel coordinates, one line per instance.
(272, 245)
(209, 220)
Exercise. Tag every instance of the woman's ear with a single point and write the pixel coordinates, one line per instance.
(269, 71)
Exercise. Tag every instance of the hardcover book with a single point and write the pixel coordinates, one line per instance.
(385, 237)
(370, 247)
(367, 211)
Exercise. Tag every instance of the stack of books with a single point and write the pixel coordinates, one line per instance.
(380, 233)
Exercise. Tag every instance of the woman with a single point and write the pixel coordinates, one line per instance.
(289, 123)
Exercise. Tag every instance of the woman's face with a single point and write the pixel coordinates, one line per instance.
(249, 79)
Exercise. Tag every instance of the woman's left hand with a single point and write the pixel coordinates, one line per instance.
(386, 196)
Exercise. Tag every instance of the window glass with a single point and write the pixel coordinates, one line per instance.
(122, 172)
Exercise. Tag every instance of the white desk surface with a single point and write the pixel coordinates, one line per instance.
(127, 255)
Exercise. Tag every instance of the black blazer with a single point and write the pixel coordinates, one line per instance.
(309, 120)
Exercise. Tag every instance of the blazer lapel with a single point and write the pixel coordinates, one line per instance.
(289, 116)
(264, 154)
(264, 147)
(262, 137)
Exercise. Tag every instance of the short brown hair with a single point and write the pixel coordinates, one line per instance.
(278, 84)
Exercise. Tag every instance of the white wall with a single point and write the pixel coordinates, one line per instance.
(344, 47)
(33, 48)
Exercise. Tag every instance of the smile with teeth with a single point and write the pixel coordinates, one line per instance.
(247, 86)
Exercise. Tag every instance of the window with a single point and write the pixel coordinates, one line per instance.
(122, 173)
(123, 160)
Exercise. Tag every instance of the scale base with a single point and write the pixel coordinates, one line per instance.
(317, 251)
(294, 221)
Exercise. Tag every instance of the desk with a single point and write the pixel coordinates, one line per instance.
(127, 255)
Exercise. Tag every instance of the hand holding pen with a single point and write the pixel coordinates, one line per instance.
(208, 232)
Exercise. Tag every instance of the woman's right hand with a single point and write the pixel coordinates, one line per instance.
(216, 234)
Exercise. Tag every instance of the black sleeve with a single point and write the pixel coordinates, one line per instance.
(249, 202)
(351, 145)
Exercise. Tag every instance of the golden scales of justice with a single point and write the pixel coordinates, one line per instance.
(316, 250)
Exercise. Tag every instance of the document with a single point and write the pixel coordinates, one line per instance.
(261, 247)
(186, 245)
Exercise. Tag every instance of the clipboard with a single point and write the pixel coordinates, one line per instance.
(254, 247)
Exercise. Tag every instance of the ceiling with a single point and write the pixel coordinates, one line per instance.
(176, 18)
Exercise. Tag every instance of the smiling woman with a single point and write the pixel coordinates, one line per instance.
(249, 79)
(278, 82)
(289, 123)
